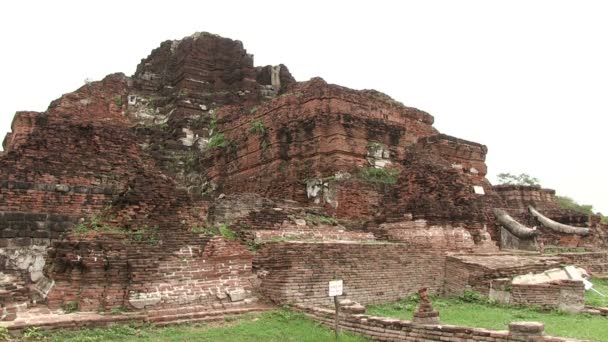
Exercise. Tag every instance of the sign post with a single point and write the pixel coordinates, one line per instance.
(335, 290)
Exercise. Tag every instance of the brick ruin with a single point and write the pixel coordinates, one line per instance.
(120, 194)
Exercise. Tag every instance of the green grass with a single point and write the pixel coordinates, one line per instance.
(594, 299)
(280, 325)
(478, 313)
(376, 175)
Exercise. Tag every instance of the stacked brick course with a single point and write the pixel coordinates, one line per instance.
(391, 329)
(372, 272)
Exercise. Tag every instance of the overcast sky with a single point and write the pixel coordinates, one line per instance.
(529, 79)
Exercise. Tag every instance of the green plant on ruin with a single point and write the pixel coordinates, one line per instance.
(70, 307)
(379, 175)
(33, 334)
(118, 100)
(145, 235)
(94, 224)
(217, 230)
(257, 127)
(217, 140)
(4, 334)
(374, 146)
(521, 179)
(184, 92)
(317, 219)
(253, 109)
(568, 203)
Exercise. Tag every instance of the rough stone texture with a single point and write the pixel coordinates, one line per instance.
(476, 272)
(372, 272)
(565, 295)
(106, 197)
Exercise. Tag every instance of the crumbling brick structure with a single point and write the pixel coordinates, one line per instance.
(109, 197)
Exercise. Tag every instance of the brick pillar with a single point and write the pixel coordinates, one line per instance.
(526, 331)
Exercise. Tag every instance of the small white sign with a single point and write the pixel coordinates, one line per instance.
(478, 190)
(335, 288)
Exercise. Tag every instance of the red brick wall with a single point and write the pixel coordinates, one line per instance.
(119, 271)
(372, 272)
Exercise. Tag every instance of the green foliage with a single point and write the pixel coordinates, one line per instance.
(377, 175)
(469, 296)
(317, 219)
(94, 223)
(33, 333)
(145, 235)
(70, 307)
(253, 109)
(4, 335)
(374, 146)
(594, 299)
(217, 140)
(257, 127)
(605, 219)
(521, 179)
(118, 100)
(568, 203)
(273, 326)
(226, 232)
(217, 230)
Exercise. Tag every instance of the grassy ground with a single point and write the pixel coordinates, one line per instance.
(280, 325)
(473, 311)
(594, 299)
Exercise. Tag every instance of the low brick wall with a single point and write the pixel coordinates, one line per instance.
(182, 269)
(391, 329)
(372, 272)
(566, 295)
(476, 272)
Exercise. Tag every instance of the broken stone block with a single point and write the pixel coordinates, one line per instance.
(237, 295)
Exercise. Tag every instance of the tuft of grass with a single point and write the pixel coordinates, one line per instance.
(70, 307)
(476, 311)
(594, 299)
(217, 140)
(317, 219)
(274, 326)
(257, 127)
(217, 230)
(377, 175)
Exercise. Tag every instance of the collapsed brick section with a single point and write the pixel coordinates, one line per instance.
(119, 271)
(565, 295)
(476, 272)
(148, 157)
(372, 272)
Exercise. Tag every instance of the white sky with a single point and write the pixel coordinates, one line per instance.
(527, 78)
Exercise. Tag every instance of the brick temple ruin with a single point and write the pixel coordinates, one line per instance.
(109, 198)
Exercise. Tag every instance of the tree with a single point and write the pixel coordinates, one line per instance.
(521, 179)
(568, 203)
